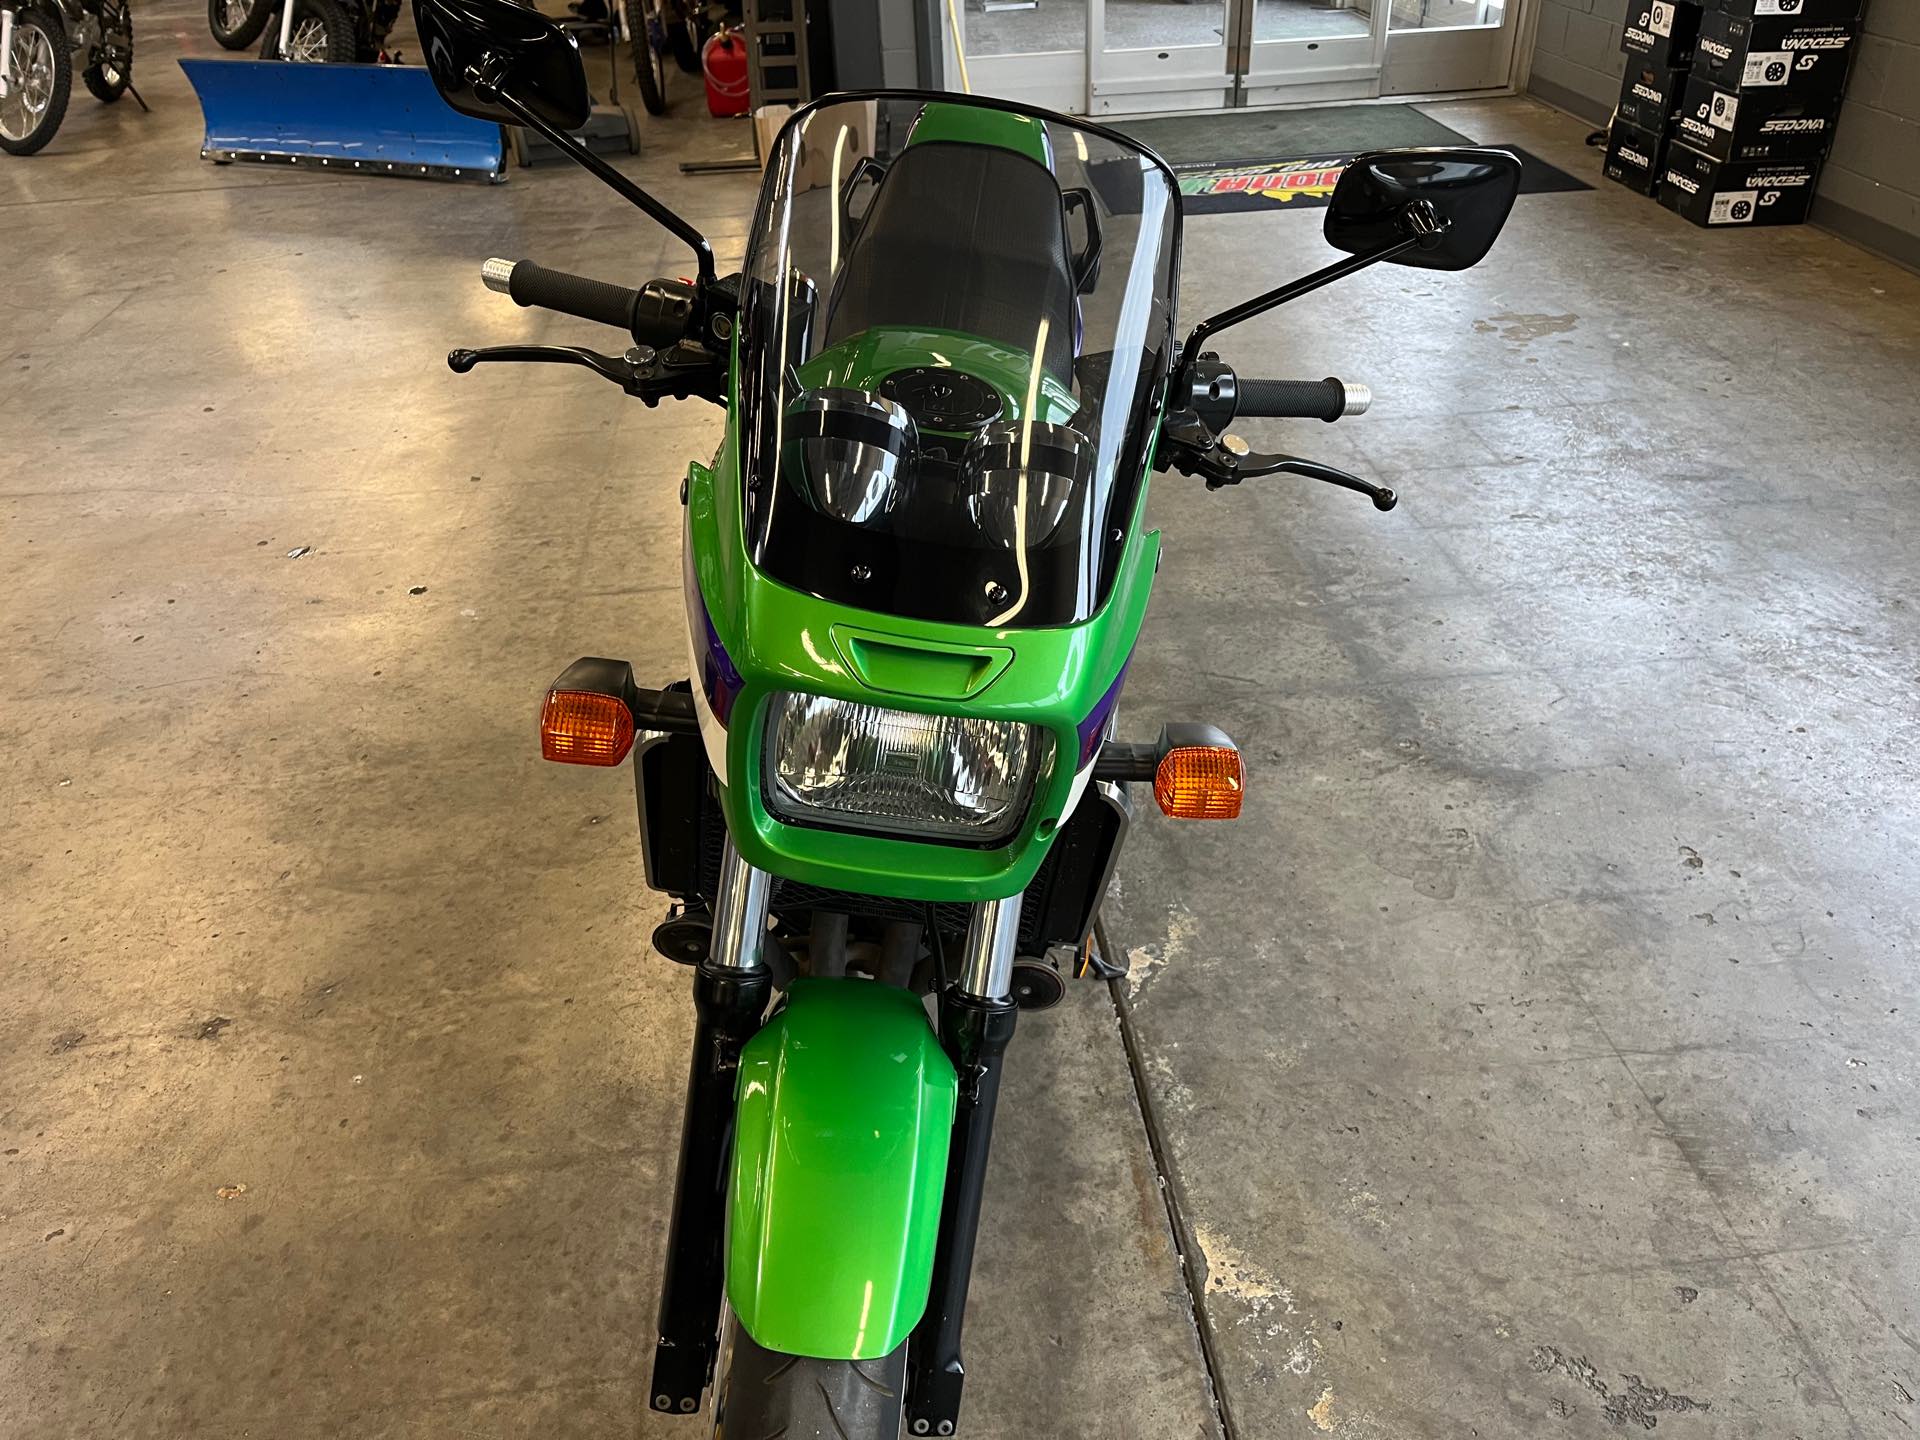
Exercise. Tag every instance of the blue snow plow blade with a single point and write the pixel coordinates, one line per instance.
(366, 119)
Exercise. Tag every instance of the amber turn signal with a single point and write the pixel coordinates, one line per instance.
(1201, 782)
(584, 727)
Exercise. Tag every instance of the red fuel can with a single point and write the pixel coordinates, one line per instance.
(724, 59)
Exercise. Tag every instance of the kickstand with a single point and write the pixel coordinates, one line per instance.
(145, 108)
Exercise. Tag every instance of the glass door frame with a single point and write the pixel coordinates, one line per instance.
(1309, 70)
(1456, 57)
(1241, 71)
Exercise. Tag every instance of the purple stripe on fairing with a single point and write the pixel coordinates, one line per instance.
(1093, 728)
(719, 681)
(718, 678)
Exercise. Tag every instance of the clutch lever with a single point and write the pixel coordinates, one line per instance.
(1193, 449)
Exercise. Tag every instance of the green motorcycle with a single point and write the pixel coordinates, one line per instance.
(914, 573)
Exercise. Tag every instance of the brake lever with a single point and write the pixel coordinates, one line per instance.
(1191, 448)
(643, 372)
(620, 371)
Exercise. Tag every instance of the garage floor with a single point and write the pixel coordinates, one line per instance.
(1536, 1057)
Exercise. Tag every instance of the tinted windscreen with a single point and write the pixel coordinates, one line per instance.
(956, 320)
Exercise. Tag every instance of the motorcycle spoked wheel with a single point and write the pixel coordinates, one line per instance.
(111, 72)
(323, 33)
(236, 24)
(685, 36)
(763, 1392)
(40, 83)
(649, 65)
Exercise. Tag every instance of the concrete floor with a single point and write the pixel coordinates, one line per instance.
(1536, 1052)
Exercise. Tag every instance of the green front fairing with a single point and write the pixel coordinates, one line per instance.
(845, 1109)
(780, 639)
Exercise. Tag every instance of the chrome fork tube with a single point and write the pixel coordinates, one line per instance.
(6, 49)
(986, 958)
(739, 914)
(976, 1026)
(731, 988)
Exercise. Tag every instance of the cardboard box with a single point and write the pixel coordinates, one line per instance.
(1775, 53)
(1759, 125)
(1662, 32)
(1817, 12)
(1650, 93)
(1713, 193)
(1634, 157)
(767, 121)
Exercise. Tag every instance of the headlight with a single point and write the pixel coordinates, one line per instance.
(860, 767)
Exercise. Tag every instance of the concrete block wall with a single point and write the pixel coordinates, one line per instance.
(1577, 62)
(1870, 190)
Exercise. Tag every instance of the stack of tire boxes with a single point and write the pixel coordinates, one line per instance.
(1659, 41)
(1758, 114)
(1746, 128)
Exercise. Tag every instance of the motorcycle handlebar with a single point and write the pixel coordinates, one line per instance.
(1327, 399)
(656, 315)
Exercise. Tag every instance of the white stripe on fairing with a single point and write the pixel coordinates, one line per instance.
(712, 733)
(1079, 789)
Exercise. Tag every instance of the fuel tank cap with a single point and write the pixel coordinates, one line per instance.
(943, 399)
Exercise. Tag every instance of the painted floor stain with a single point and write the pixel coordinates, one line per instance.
(1322, 1412)
(1523, 329)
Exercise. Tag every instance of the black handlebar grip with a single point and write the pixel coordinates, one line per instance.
(1295, 399)
(532, 284)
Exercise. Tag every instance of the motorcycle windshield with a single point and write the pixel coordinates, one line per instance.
(957, 326)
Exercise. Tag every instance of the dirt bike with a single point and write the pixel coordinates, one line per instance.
(914, 572)
(38, 43)
(311, 31)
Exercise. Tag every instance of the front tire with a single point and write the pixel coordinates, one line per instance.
(684, 40)
(322, 34)
(42, 79)
(112, 69)
(649, 65)
(236, 24)
(764, 1394)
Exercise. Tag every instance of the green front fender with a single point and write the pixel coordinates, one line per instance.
(845, 1108)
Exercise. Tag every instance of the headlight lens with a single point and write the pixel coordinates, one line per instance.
(861, 767)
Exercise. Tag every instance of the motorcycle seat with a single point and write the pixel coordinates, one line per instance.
(970, 238)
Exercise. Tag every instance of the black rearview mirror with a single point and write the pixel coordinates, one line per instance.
(498, 61)
(1471, 191)
(479, 49)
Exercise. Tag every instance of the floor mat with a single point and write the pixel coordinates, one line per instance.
(1249, 135)
(1307, 182)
